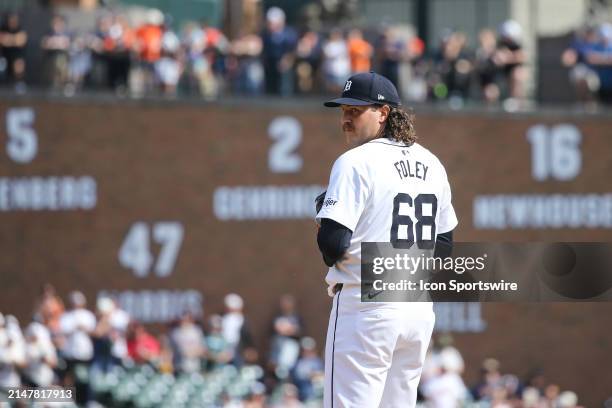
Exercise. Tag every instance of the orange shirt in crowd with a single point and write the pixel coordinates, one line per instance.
(127, 41)
(149, 39)
(360, 52)
(213, 36)
(51, 309)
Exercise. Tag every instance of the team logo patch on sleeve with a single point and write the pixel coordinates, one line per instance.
(329, 202)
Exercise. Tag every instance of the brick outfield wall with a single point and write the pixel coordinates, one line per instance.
(156, 163)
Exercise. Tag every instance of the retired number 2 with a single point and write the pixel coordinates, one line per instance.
(425, 208)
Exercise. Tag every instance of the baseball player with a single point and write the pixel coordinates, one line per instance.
(386, 188)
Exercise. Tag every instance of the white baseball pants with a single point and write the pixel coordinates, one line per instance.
(374, 352)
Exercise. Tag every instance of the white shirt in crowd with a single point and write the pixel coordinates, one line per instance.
(12, 353)
(119, 321)
(441, 383)
(444, 391)
(76, 325)
(41, 356)
(232, 324)
(168, 71)
(189, 341)
(337, 62)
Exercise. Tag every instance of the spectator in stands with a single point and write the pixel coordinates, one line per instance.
(13, 40)
(168, 68)
(142, 347)
(49, 309)
(499, 398)
(196, 68)
(12, 351)
(551, 393)
(309, 56)
(360, 52)
(414, 69)
(74, 342)
(56, 46)
(531, 398)
(236, 331)
(446, 390)
(511, 58)
(308, 370)
(245, 64)
(513, 388)
(390, 52)
(486, 69)
(233, 319)
(278, 54)
(119, 320)
(219, 350)
(97, 46)
(41, 356)
(188, 345)
(215, 51)
(601, 59)
(567, 399)
(336, 62)
(109, 335)
(80, 62)
(583, 75)
(490, 380)
(209, 68)
(149, 48)
(118, 43)
(454, 66)
(442, 385)
(76, 326)
(287, 328)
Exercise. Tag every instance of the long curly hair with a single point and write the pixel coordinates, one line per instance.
(400, 126)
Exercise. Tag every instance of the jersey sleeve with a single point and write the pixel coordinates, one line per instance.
(448, 218)
(346, 194)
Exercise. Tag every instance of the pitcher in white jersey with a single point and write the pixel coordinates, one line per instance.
(386, 188)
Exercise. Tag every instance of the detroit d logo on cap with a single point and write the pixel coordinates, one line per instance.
(347, 86)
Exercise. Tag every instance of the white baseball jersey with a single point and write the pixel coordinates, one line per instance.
(385, 191)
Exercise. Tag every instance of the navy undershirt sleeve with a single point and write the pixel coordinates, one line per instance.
(333, 239)
(444, 245)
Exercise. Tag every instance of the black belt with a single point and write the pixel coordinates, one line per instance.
(337, 288)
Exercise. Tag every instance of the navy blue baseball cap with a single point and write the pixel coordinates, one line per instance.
(367, 88)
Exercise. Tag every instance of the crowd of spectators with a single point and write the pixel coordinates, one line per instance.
(146, 56)
(71, 346)
(442, 385)
(141, 54)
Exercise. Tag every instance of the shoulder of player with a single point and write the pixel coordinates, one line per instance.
(354, 157)
(432, 158)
